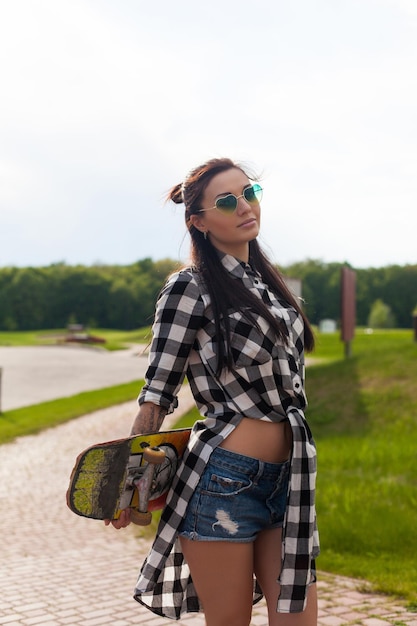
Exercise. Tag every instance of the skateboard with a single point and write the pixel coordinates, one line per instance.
(134, 473)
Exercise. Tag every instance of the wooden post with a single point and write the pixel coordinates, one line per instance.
(1, 372)
(348, 308)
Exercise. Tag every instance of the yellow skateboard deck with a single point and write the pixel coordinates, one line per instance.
(135, 473)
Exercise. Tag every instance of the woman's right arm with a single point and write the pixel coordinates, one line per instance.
(178, 316)
(149, 419)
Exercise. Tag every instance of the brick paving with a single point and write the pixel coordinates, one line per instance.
(57, 568)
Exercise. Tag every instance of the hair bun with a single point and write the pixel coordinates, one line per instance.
(175, 194)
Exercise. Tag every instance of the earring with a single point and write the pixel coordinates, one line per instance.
(205, 234)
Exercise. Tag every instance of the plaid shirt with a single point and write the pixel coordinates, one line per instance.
(267, 383)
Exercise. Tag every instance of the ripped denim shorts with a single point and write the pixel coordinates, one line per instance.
(236, 498)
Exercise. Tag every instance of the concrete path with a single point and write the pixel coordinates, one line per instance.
(57, 568)
(39, 373)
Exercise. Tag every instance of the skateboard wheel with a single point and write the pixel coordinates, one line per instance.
(154, 455)
(139, 518)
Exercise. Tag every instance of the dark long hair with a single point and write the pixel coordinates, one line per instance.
(225, 291)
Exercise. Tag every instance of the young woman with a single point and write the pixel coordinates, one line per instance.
(240, 517)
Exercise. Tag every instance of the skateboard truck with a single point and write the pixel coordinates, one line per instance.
(153, 456)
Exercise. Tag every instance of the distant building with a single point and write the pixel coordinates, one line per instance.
(327, 326)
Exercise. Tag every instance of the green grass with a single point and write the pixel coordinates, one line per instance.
(120, 339)
(29, 420)
(363, 413)
(27, 338)
(115, 339)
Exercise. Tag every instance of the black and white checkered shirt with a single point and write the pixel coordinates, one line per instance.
(267, 383)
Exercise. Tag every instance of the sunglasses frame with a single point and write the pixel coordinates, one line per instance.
(256, 189)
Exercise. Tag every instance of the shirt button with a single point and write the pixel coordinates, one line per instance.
(297, 383)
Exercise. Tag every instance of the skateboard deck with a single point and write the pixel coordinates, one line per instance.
(135, 473)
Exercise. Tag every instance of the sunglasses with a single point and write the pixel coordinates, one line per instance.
(228, 204)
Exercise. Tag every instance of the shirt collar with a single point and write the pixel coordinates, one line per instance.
(233, 265)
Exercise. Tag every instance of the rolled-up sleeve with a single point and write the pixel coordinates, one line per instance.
(179, 315)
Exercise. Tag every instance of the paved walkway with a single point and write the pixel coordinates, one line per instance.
(57, 568)
(33, 374)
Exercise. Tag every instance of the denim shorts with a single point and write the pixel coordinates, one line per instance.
(236, 497)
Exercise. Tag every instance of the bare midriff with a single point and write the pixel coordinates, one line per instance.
(270, 442)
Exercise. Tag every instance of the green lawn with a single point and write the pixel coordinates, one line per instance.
(363, 413)
(115, 339)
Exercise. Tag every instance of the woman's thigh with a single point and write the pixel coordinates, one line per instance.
(267, 568)
(222, 573)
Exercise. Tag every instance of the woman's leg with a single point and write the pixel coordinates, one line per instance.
(267, 566)
(222, 573)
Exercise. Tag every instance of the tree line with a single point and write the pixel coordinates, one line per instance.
(394, 287)
(123, 297)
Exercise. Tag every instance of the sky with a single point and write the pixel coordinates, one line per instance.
(106, 104)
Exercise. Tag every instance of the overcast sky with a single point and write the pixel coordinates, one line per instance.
(105, 104)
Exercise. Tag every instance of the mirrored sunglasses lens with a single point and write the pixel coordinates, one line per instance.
(227, 204)
(253, 193)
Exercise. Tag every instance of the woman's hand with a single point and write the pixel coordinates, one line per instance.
(123, 521)
(149, 419)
